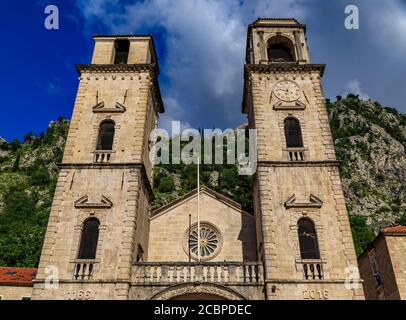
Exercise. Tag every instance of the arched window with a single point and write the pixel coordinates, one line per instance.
(106, 135)
(280, 49)
(89, 239)
(309, 247)
(293, 133)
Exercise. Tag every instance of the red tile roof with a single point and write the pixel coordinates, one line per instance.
(396, 229)
(10, 276)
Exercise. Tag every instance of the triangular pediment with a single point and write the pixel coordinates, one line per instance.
(83, 202)
(296, 105)
(314, 202)
(203, 190)
(101, 108)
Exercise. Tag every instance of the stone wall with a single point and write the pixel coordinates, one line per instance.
(114, 189)
(280, 177)
(397, 248)
(168, 229)
(139, 52)
(14, 292)
(389, 255)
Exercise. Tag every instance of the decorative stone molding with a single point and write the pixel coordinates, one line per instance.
(314, 202)
(296, 105)
(283, 68)
(194, 288)
(83, 202)
(100, 108)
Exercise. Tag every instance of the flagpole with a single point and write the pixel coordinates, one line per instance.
(198, 208)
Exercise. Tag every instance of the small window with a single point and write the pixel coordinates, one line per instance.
(1, 297)
(106, 136)
(89, 239)
(122, 48)
(375, 270)
(140, 254)
(309, 247)
(374, 265)
(25, 298)
(293, 133)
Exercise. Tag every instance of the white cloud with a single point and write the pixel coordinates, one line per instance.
(388, 19)
(354, 86)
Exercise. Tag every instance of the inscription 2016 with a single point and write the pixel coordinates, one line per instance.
(315, 294)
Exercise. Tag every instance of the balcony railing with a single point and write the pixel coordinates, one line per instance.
(312, 269)
(295, 154)
(84, 269)
(249, 273)
(102, 156)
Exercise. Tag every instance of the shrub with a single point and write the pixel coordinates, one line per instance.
(39, 175)
(166, 185)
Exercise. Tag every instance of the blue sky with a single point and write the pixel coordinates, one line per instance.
(201, 47)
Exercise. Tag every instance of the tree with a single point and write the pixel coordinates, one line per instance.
(401, 220)
(166, 185)
(361, 233)
(39, 175)
(16, 165)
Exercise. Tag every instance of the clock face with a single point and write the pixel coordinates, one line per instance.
(287, 90)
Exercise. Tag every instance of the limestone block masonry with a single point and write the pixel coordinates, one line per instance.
(139, 254)
(113, 186)
(309, 171)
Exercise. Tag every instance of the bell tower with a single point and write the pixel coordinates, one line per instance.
(99, 223)
(303, 230)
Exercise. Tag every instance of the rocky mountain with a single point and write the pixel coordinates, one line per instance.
(370, 142)
(28, 174)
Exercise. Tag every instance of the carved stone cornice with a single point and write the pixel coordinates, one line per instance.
(283, 67)
(152, 68)
(322, 163)
(109, 68)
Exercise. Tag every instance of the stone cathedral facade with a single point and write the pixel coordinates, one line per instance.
(104, 242)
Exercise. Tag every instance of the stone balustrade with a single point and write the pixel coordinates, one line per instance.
(312, 270)
(102, 156)
(249, 273)
(84, 269)
(295, 154)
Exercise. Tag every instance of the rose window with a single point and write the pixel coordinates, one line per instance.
(210, 241)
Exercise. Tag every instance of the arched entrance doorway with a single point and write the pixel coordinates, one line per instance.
(198, 291)
(198, 296)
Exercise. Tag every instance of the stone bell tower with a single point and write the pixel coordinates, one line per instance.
(303, 230)
(99, 224)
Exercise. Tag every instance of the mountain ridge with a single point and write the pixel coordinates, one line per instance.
(369, 139)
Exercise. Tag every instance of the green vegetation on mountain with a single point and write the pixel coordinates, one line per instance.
(370, 142)
(28, 175)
